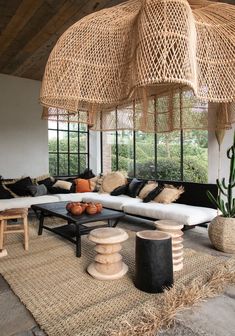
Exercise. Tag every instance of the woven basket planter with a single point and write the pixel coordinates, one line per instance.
(222, 234)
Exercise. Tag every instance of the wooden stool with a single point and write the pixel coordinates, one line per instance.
(108, 263)
(175, 230)
(6, 215)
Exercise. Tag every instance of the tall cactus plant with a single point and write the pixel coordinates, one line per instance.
(226, 204)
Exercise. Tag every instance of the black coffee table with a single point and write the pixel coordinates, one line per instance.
(75, 227)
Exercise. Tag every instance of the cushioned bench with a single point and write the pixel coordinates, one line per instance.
(192, 208)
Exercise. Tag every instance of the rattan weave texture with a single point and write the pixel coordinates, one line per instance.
(141, 49)
(55, 287)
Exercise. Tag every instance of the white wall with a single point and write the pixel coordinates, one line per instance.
(218, 163)
(23, 135)
(95, 152)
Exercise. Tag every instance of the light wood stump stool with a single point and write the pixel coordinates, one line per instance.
(21, 213)
(174, 229)
(108, 263)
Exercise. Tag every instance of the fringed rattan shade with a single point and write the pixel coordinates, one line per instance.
(154, 52)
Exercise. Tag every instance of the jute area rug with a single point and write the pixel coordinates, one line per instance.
(64, 300)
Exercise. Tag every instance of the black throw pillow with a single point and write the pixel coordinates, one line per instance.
(4, 194)
(57, 190)
(134, 187)
(47, 182)
(37, 190)
(119, 190)
(20, 188)
(153, 194)
(87, 174)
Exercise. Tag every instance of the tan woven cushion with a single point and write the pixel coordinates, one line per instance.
(63, 184)
(169, 194)
(93, 183)
(147, 189)
(112, 180)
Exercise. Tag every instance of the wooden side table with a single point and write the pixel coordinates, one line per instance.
(174, 229)
(153, 261)
(5, 228)
(108, 263)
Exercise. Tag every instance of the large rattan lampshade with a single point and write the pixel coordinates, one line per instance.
(149, 65)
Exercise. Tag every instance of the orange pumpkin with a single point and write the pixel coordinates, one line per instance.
(69, 206)
(76, 210)
(99, 207)
(91, 209)
(84, 206)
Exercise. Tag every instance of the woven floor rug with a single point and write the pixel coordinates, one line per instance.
(64, 300)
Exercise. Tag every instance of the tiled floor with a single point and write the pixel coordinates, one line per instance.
(215, 317)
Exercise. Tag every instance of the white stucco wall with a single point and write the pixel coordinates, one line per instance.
(95, 152)
(23, 135)
(218, 163)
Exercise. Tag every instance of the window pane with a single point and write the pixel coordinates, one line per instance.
(74, 164)
(125, 152)
(63, 141)
(53, 164)
(63, 164)
(109, 151)
(83, 127)
(145, 159)
(83, 162)
(52, 141)
(63, 125)
(73, 126)
(168, 156)
(73, 142)
(196, 156)
(52, 124)
(83, 143)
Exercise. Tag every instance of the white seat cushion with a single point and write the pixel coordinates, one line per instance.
(111, 202)
(74, 197)
(26, 202)
(185, 214)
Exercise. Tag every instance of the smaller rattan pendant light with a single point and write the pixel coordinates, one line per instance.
(144, 64)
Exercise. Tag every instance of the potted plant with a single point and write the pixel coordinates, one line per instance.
(222, 228)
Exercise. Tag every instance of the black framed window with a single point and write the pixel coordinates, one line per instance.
(176, 156)
(68, 148)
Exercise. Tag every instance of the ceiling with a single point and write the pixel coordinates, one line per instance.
(29, 29)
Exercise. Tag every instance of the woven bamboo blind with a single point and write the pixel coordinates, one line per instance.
(148, 65)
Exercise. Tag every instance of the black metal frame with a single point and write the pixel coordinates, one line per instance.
(76, 225)
(116, 134)
(58, 152)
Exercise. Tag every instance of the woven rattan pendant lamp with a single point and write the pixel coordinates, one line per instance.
(145, 65)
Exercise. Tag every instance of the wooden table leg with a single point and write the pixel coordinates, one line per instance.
(41, 221)
(78, 242)
(116, 222)
(26, 233)
(2, 225)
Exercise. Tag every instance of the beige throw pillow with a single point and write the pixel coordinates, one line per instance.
(147, 189)
(63, 184)
(93, 183)
(112, 180)
(169, 194)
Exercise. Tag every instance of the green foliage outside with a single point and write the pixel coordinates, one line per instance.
(64, 157)
(195, 156)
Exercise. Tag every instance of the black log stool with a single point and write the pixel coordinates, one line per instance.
(153, 261)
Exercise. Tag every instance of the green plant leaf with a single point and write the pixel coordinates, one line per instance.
(221, 188)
